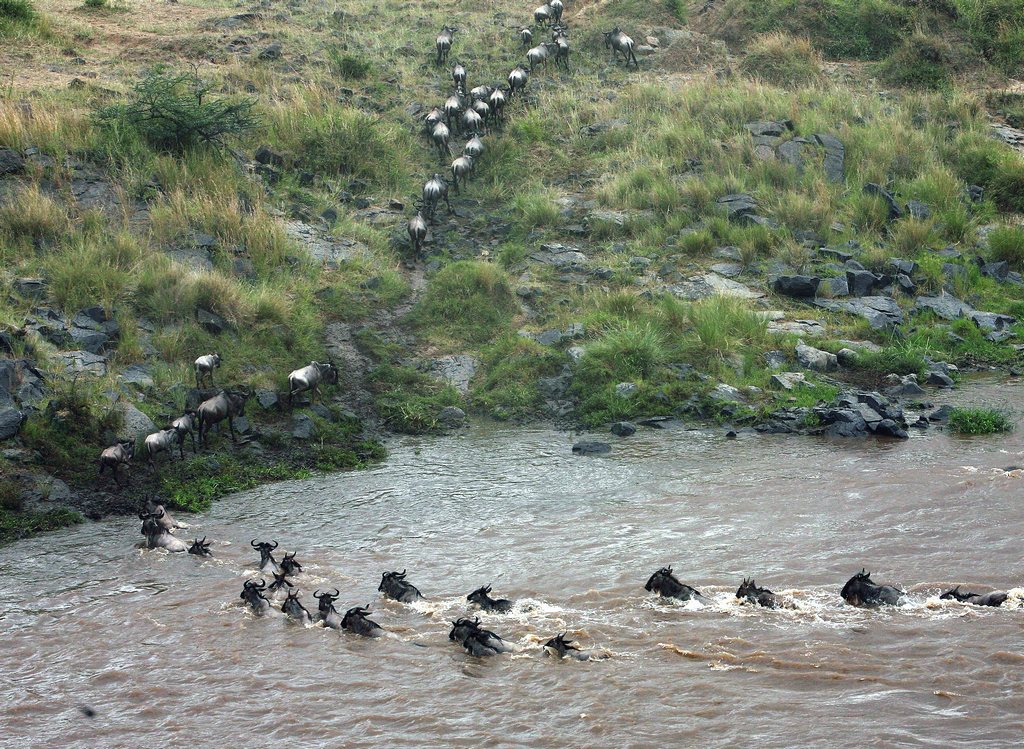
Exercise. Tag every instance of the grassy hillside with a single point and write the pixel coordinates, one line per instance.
(274, 198)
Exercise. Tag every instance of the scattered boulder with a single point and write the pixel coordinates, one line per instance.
(626, 389)
(31, 288)
(456, 369)
(738, 205)
(11, 420)
(136, 423)
(881, 312)
(591, 447)
(560, 256)
(271, 52)
(872, 188)
(769, 128)
(792, 152)
(999, 271)
(939, 379)
(710, 284)
(907, 386)
(991, 321)
(11, 162)
(267, 155)
(452, 417)
(799, 287)
(946, 306)
(846, 357)
(862, 282)
(138, 375)
(212, 322)
(303, 427)
(623, 429)
(835, 157)
(267, 399)
(788, 380)
(83, 361)
(920, 211)
(816, 359)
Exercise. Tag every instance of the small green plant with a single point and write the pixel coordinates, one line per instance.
(1007, 243)
(467, 301)
(783, 60)
(96, 4)
(347, 66)
(175, 112)
(979, 421)
(922, 61)
(901, 361)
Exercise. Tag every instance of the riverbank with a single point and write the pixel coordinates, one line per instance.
(748, 230)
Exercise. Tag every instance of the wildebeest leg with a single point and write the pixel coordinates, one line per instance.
(102, 466)
(192, 436)
(231, 428)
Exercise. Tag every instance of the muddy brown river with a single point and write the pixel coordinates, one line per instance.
(160, 649)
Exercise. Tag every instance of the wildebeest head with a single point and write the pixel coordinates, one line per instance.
(252, 593)
(393, 585)
(326, 600)
(561, 647)
(280, 583)
(956, 595)
(661, 580)
(462, 628)
(200, 548)
(294, 608)
(748, 589)
(356, 620)
(328, 373)
(264, 548)
(129, 447)
(857, 587)
(289, 565)
(480, 596)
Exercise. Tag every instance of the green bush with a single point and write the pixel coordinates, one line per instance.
(922, 61)
(513, 365)
(996, 27)
(467, 302)
(174, 112)
(979, 421)
(782, 59)
(17, 11)
(410, 401)
(889, 360)
(346, 65)
(1007, 243)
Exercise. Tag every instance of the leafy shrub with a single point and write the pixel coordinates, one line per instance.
(922, 61)
(174, 112)
(17, 11)
(979, 421)
(1007, 243)
(782, 59)
(346, 65)
(468, 301)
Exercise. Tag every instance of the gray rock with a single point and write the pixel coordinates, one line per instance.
(33, 288)
(591, 447)
(271, 52)
(941, 414)
(303, 427)
(946, 306)
(549, 337)
(812, 328)
(991, 321)
(243, 268)
(452, 417)
(136, 423)
(708, 285)
(788, 380)
(267, 155)
(242, 425)
(842, 422)
(908, 267)
(738, 205)
(799, 287)
(554, 388)
(88, 340)
(11, 420)
(725, 393)
(729, 270)
(267, 399)
(846, 357)
(939, 379)
(560, 256)
(835, 157)
(137, 374)
(212, 322)
(816, 359)
(861, 282)
(626, 389)
(834, 254)
(11, 162)
(920, 211)
(833, 287)
(792, 153)
(999, 271)
(769, 128)
(905, 283)
(894, 209)
(889, 428)
(456, 369)
(623, 429)
(775, 359)
(83, 361)
(881, 312)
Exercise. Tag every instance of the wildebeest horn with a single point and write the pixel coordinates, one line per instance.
(253, 544)
(273, 545)
(160, 515)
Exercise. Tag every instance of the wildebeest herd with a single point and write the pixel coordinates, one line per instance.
(473, 112)
(275, 589)
(225, 405)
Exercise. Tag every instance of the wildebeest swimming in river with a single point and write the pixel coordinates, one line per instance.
(995, 598)
(665, 584)
(356, 621)
(749, 591)
(861, 590)
(476, 640)
(560, 647)
(252, 594)
(481, 598)
(394, 586)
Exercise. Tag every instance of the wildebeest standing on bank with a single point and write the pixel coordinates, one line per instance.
(117, 458)
(309, 378)
(227, 404)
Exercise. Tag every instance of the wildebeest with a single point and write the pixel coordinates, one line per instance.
(441, 135)
(443, 44)
(116, 458)
(294, 608)
(289, 565)
(325, 608)
(186, 424)
(159, 442)
(517, 80)
(542, 14)
(356, 621)
(861, 590)
(309, 378)
(525, 36)
(434, 189)
(665, 584)
(461, 169)
(227, 404)
(252, 594)
(538, 55)
(459, 76)
(749, 591)
(417, 229)
(281, 584)
(476, 640)
(995, 598)
(267, 562)
(559, 647)
(157, 536)
(394, 586)
(481, 598)
(557, 8)
(474, 147)
(163, 517)
(201, 548)
(620, 42)
(204, 367)
(453, 107)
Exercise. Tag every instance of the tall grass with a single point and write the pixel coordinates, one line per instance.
(467, 302)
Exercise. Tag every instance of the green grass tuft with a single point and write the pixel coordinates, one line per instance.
(467, 302)
(782, 59)
(979, 421)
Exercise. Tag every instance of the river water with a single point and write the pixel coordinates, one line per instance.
(160, 649)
